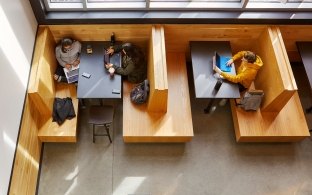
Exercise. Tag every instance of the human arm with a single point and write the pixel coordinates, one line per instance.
(238, 55)
(77, 44)
(126, 70)
(58, 57)
(233, 78)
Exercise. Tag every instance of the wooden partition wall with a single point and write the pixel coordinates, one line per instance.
(242, 37)
(157, 72)
(275, 78)
(137, 34)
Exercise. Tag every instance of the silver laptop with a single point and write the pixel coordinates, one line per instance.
(72, 74)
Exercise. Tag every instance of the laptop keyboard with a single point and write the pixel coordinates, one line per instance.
(73, 79)
(72, 73)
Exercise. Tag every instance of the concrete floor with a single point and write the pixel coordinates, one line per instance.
(212, 163)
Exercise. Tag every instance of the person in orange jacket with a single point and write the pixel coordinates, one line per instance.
(246, 72)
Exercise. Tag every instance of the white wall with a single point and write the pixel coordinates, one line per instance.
(17, 36)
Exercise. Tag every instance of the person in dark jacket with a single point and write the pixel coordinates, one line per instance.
(133, 65)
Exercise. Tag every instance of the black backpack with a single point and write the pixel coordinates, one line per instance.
(139, 93)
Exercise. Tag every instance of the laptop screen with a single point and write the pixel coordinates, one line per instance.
(72, 75)
(221, 62)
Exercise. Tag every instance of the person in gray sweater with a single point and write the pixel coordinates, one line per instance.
(133, 65)
(68, 55)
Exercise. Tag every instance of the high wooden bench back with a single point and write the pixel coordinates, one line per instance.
(43, 89)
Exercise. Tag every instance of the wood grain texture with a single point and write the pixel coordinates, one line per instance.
(43, 91)
(67, 132)
(138, 34)
(288, 125)
(157, 72)
(41, 88)
(139, 125)
(293, 33)
(275, 78)
(242, 37)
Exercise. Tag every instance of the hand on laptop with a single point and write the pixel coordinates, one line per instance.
(230, 62)
(108, 65)
(68, 66)
(76, 62)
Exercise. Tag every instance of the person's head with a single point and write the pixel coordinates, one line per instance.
(66, 44)
(128, 49)
(250, 57)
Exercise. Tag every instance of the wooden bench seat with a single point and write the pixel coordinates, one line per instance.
(67, 132)
(141, 125)
(43, 89)
(280, 118)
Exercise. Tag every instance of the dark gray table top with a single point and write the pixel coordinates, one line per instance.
(204, 76)
(100, 84)
(305, 50)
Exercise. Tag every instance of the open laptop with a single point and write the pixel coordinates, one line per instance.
(221, 62)
(72, 74)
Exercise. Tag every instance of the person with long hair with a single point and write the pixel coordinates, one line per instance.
(133, 65)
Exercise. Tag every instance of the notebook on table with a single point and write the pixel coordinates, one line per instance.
(221, 62)
(72, 74)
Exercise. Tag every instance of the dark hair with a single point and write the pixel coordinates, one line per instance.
(250, 56)
(129, 49)
(66, 42)
(133, 52)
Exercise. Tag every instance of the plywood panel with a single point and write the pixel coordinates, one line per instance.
(138, 34)
(242, 37)
(67, 132)
(293, 33)
(157, 72)
(41, 88)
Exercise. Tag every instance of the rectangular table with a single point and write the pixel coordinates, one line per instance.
(205, 77)
(100, 84)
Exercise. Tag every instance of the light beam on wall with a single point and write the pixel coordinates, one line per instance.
(13, 50)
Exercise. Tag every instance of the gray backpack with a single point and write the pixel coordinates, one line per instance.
(139, 93)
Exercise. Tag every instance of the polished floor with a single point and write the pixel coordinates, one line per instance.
(212, 163)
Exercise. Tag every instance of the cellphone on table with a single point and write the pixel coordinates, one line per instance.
(116, 91)
(87, 75)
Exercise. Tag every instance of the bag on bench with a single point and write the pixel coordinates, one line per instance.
(139, 93)
(251, 100)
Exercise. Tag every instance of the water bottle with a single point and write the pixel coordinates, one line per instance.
(112, 41)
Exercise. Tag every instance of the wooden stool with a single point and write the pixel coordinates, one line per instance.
(101, 116)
